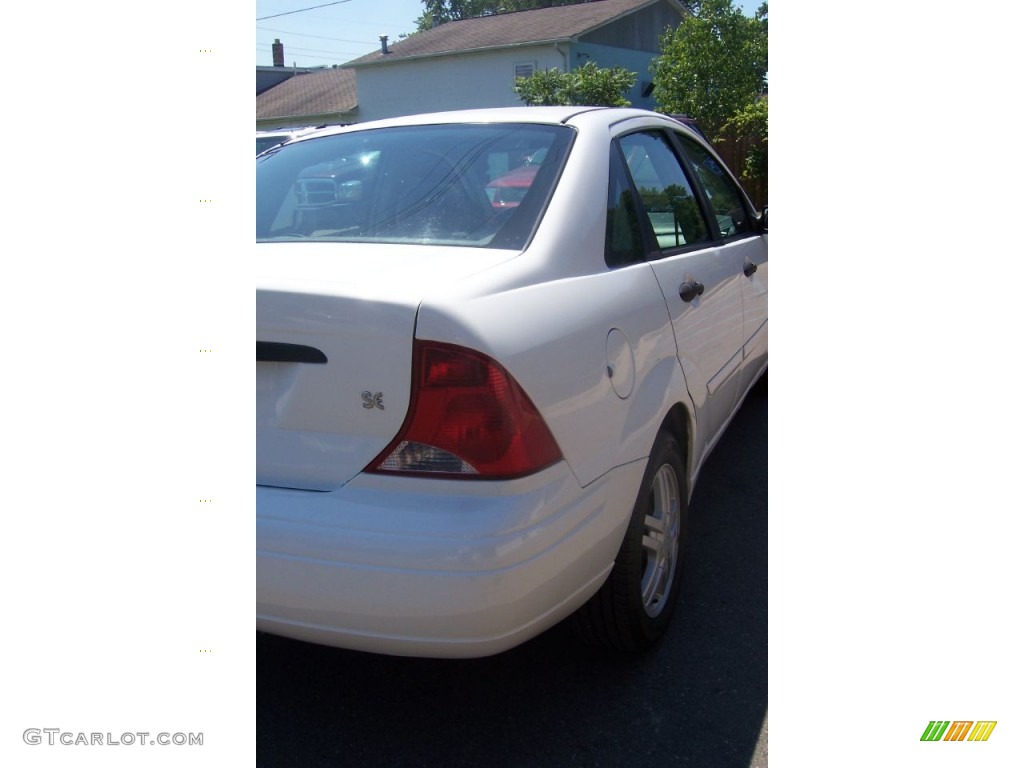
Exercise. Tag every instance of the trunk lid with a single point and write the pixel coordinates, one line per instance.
(320, 419)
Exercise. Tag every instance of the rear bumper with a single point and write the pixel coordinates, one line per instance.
(460, 569)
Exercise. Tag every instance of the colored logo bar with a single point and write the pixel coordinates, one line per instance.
(958, 730)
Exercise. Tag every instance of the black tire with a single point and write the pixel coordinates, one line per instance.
(633, 608)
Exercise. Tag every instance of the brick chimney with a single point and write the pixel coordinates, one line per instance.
(384, 44)
(278, 50)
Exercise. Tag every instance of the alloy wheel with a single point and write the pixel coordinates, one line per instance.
(660, 542)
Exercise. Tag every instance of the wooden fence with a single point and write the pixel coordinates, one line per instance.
(732, 151)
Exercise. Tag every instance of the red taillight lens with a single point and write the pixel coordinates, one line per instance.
(467, 418)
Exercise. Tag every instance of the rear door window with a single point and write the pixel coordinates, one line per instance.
(725, 198)
(668, 198)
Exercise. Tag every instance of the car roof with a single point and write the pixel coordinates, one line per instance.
(535, 115)
(287, 131)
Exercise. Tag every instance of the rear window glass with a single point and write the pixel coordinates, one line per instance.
(470, 185)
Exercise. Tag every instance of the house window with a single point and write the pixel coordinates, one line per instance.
(525, 70)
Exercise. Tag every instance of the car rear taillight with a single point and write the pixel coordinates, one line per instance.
(467, 418)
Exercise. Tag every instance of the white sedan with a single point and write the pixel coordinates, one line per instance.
(493, 350)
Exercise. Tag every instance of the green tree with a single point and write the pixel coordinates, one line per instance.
(749, 128)
(442, 11)
(588, 85)
(543, 88)
(713, 65)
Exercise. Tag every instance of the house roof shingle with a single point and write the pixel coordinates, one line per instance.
(507, 29)
(315, 93)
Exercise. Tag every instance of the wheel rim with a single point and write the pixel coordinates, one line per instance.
(660, 543)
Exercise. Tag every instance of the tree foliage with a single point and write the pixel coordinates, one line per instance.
(442, 11)
(749, 127)
(713, 65)
(588, 85)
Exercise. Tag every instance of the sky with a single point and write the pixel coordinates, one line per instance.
(339, 33)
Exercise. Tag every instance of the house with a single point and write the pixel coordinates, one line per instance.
(268, 77)
(315, 97)
(295, 97)
(474, 62)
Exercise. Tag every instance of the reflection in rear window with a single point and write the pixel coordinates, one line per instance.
(469, 185)
(264, 143)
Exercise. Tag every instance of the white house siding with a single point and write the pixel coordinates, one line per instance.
(462, 81)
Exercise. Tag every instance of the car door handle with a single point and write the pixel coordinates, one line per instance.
(690, 290)
(749, 268)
